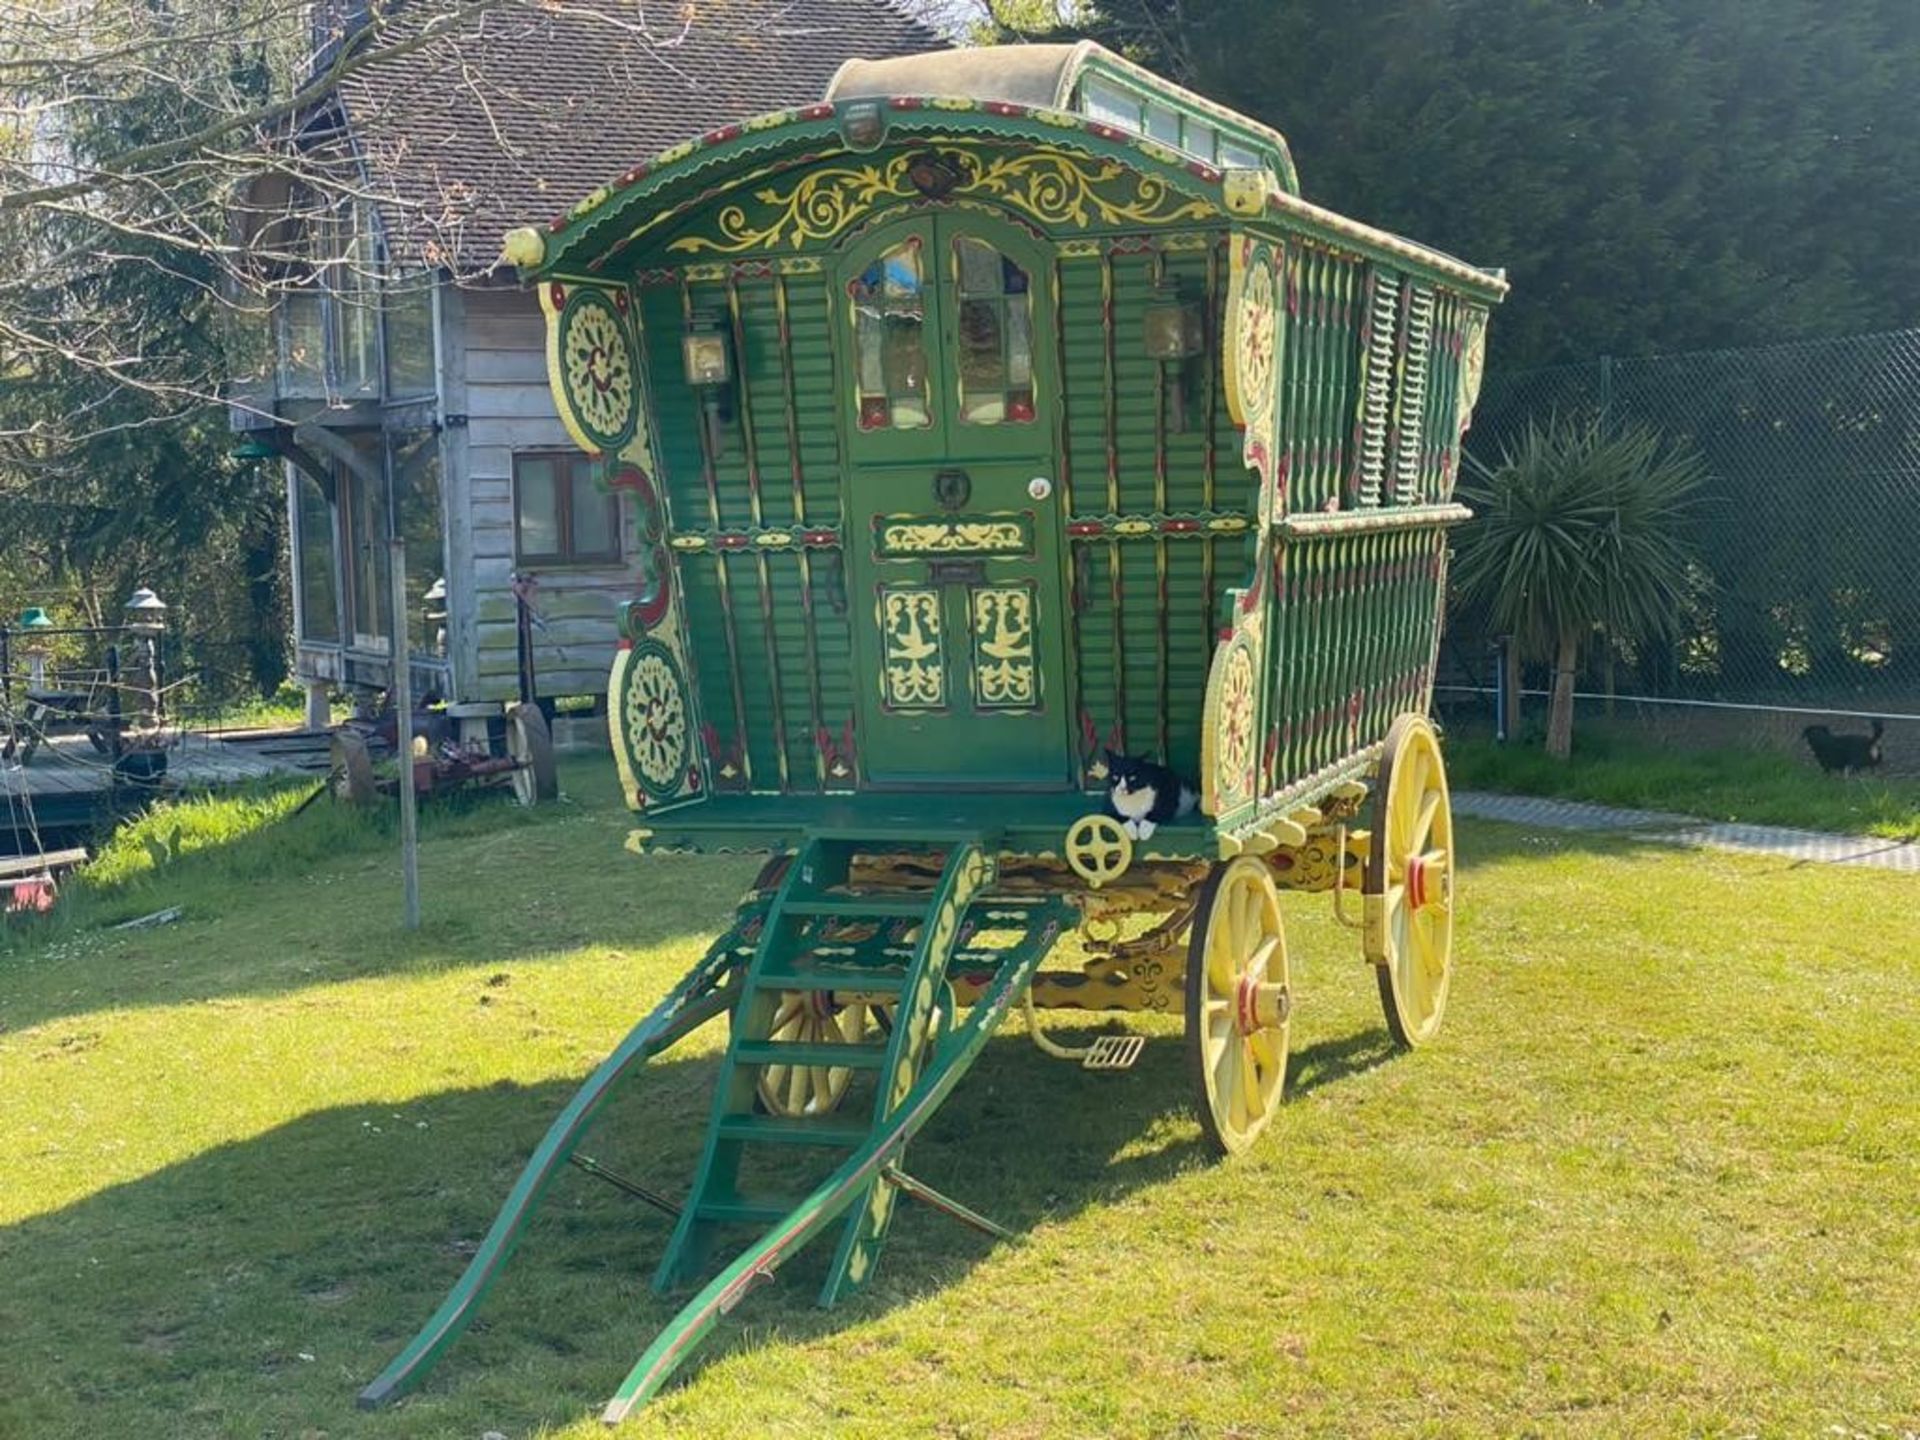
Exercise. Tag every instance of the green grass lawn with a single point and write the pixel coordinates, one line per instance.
(1751, 784)
(1658, 1176)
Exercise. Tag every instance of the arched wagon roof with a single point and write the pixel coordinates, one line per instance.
(739, 169)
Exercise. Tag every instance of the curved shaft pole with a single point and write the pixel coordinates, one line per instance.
(694, 1001)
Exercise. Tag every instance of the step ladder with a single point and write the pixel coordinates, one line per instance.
(812, 933)
(825, 937)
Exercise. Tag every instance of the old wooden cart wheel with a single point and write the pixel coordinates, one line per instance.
(350, 769)
(813, 1017)
(530, 742)
(1238, 1003)
(1409, 882)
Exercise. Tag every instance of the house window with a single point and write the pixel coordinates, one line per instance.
(560, 515)
(407, 302)
(318, 563)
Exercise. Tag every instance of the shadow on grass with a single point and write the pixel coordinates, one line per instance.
(254, 1288)
(311, 900)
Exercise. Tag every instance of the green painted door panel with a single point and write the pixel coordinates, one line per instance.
(955, 555)
(960, 624)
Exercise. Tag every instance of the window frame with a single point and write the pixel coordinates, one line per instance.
(571, 465)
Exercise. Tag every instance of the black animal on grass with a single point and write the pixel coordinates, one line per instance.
(1845, 753)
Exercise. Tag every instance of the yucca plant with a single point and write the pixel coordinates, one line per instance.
(1581, 529)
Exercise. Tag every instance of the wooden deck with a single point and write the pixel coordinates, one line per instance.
(70, 785)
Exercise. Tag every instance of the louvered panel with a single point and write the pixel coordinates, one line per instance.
(1083, 368)
(761, 396)
(676, 409)
(752, 625)
(815, 396)
(1136, 376)
(1376, 390)
(1409, 415)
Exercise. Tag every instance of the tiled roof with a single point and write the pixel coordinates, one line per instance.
(525, 107)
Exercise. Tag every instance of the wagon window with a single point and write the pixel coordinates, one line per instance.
(1163, 124)
(1113, 105)
(889, 318)
(995, 334)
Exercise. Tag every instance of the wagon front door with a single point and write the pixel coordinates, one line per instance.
(955, 571)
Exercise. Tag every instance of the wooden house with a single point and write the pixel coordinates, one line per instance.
(405, 386)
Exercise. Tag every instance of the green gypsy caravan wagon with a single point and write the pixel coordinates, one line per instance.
(1005, 409)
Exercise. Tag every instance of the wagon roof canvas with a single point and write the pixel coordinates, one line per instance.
(522, 110)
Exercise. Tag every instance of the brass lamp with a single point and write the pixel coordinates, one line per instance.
(1174, 336)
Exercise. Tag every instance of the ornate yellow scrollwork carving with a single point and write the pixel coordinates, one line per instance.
(1054, 187)
(913, 672)
(1003, 669)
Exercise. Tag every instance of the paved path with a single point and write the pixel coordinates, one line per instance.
(1809, 846)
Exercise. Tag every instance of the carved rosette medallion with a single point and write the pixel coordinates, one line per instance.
(1233, 724)
(598, 371)
(655, 720)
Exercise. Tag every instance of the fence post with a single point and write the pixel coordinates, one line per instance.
(113, 703)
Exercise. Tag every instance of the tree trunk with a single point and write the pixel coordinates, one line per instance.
(1560, 709)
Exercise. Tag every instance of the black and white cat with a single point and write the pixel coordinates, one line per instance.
(1143, 795)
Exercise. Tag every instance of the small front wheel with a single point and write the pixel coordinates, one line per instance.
(1239, 1004)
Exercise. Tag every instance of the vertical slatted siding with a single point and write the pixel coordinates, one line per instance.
(1146, 605)
(1354, 644)
(1319, 361)
(771, 648)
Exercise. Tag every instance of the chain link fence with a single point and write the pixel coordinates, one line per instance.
(1807, 533)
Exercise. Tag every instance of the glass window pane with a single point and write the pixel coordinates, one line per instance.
(593, 523)
(417, 483)
(889, 317)
(409, 317)
(1200, 139)
(537, 506)
(303, 353)
(995, 325)
(1110, 103)
(1163, 124)
(318, 560)
(1238, 155)
(370, 601)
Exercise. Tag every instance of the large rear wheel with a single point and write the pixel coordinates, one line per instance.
(1239, 1004)
(1409, 883)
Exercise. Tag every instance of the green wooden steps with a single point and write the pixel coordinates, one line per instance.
(920, 1060)
(905, 962)
(894, 945)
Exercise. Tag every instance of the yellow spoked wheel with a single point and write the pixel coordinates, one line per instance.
(1409, 882)
(1098, 850)
(1238, 1003)
(814, 1017)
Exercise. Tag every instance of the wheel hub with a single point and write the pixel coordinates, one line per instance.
(1427, 882)
(1259, 1005)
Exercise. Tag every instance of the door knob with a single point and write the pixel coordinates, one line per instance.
(1040, 487)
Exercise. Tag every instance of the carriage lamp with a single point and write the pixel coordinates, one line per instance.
(863, 125)
(1174, 337)
(703, 353)
(708, 365)
(1173, 329)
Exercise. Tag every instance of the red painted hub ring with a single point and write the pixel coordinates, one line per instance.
(1416, 883)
